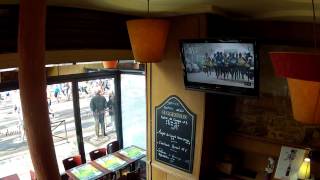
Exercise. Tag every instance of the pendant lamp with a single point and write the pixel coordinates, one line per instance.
(148, 38)
(302, 70)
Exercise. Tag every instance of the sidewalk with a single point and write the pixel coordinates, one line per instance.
(20, 162)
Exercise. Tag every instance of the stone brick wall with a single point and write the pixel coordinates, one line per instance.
(270, 115)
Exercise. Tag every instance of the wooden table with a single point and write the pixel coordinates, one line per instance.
(124, 156)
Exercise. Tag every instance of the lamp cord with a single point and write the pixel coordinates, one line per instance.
(314, 26)
(315, 112)
(149, 8)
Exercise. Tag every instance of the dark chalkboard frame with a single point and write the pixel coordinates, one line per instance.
(193, 131)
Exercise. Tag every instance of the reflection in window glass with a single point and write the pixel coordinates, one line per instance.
(133, 106)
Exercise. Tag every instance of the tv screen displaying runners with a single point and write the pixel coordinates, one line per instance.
(221, 66)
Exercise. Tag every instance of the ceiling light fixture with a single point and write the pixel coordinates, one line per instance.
(148, 38)
(302, 70)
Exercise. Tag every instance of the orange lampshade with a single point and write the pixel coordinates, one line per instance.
(297, 65)
(305, 100)
(302, 71)
(148, 38)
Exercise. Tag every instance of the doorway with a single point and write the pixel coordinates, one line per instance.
(97, 111)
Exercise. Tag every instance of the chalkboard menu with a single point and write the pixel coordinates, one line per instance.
(175, 129)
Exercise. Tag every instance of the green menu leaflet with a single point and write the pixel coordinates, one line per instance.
(86, 172)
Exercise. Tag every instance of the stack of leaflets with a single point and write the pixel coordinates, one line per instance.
(110, 162)
(86, 172)
(133, 152)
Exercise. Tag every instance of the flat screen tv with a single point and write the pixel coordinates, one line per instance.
(221, 66)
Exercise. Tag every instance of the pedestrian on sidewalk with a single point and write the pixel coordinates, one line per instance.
(18, 110)
(98, 105)
(110, 105)
(56, 93)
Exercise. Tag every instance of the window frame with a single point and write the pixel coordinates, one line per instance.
(74, 79)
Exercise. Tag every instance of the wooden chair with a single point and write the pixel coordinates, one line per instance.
(95, 154)
(133, 175)
(113, 147)
(65, 177)
(72, 162)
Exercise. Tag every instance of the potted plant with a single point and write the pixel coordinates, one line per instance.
(111, 64)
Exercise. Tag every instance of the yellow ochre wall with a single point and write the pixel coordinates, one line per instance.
(72, 69)
(166, 78)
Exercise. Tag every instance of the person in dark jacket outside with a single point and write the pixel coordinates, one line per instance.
(98, 105)
(110, 105)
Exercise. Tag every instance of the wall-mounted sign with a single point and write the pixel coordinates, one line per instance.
(174, 134)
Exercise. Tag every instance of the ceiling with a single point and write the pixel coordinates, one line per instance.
(288, 10)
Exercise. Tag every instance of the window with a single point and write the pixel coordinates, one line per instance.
(72, 121)
(98, 126)
(14, 151)
(60, 105)
(133, 106)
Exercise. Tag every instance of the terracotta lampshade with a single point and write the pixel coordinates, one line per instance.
(148, 38)
(302, 71)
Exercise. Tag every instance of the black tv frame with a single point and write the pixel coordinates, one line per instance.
(223, 89)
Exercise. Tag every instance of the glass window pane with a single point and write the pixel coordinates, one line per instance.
(14, 151)
(97, 113)
(133, 106)
(62, 121)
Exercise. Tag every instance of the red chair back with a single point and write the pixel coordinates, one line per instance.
(72, 162)
(95, 154)
(32, 175)
(113, 147)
